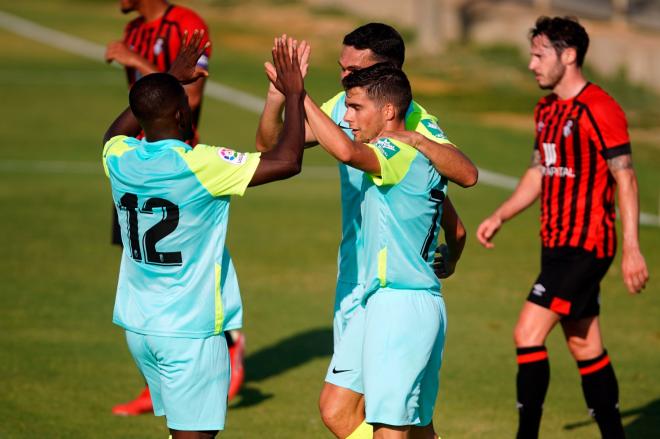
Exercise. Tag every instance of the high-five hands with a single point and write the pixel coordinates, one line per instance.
(303, 53)
(184, 67)
(286, 75)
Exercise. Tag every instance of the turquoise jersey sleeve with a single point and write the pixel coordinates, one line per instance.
(222, 171)
(394, 158)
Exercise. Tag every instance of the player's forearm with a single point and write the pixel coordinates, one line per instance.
(449, 161)
(328, 134)
(455, 233)
(628, 195)
(125, 124)
(270, 122)
(195, 92)
(289, 147)
(527, 191)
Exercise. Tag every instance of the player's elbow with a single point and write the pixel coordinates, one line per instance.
(470, 178)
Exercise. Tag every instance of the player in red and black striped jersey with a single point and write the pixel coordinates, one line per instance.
(581, 155)
(150, 44)
(152, 41)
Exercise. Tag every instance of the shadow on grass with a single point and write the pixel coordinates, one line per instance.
(280, 357)
(644, 426)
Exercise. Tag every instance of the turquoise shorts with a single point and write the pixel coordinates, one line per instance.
(188, 378)
(345, 368)
(404, 336)
(348, 297)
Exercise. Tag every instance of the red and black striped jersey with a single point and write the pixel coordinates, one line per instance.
(575, 138)
(159, 41)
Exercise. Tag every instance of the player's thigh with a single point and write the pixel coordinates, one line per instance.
(345, 369)
(583, 337)
(147, 363)
(534, 324)
(194, 381)
(403, 331)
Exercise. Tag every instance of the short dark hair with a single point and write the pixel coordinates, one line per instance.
(563, 32)
(384, 84)
(155, 96)
(383, 40)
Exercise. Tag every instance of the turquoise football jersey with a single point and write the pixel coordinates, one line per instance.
(173, 205)
(401, 215)
(349, 258)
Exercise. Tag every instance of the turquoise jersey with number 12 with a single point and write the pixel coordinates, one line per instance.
(173, 205)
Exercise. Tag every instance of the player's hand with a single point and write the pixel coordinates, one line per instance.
(635, 273)
(488, 229)
(408, 137)
(184, 67)
(442, 265)
(118, 51)
(303, 53)
(288, 78)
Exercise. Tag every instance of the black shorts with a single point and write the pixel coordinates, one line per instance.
(569, 283)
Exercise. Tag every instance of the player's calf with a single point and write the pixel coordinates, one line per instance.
(601, 392)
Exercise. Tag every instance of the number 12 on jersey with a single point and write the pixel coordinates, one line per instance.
(147, 245)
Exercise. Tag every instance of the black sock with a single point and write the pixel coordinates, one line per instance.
(532, 384)
(601, 392)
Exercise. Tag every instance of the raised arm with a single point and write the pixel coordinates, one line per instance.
(633, 265)
(183, 68)
(527, 191)
(446, 158)
(337, 144)
(271, 122)
(285, 158)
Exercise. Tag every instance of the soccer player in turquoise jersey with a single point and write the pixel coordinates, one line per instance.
(173, 202)
(403, 195)
(341, 403)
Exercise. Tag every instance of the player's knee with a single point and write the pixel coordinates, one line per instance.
(334, 414)
(583, 349)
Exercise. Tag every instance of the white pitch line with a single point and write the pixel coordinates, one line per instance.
(94, 51)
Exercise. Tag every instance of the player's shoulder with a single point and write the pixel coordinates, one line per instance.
(597, 100)
(118, 145)
(336, 99)
(186, 16)
(390, 147)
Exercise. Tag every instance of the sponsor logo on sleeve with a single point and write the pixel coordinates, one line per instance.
(387, 148)
(433, 128)
(231, 156)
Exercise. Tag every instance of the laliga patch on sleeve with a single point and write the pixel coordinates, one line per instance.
(231, 156)
(433, 128)
(386, 147)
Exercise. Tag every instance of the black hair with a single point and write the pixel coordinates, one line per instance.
(155, 96)
(384, 84)
(383, 40)
(563, 32)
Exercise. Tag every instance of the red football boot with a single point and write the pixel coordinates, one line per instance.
(141, 404)
(236, 360)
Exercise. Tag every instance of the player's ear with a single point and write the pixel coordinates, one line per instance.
(389, 112)
(569, 56)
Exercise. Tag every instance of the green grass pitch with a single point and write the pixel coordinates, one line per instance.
(64, 364)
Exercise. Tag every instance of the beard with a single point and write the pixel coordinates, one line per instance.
(553, 77)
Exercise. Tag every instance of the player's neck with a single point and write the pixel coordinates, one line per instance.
(152, 10)
(393, 125)
(570, 85)
(156, 135)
